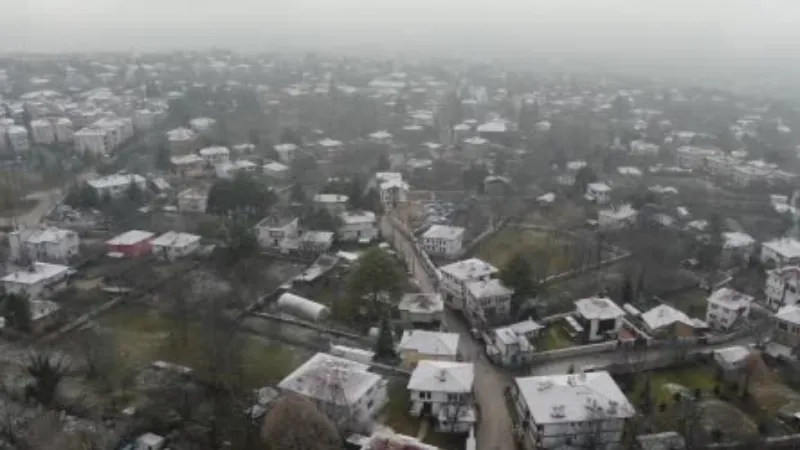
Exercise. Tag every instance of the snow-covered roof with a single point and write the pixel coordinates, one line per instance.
(329, 143)
(573, 398)
(285, 147)
(664, 316)
(490, 288)
(38, 272)
(430, 342)
(331, 198)
(175, 239)
(787, 248)
(599, 187)
(476, 140)
(526, 326)
(356, 217)
(116, 180)
(442, 376)
(492, 127)
(629, 170)
(462, 127)
(383, 177)
(736, 239)
(444, 232)
(598, 308)
(619, 213)
(301, 306)
(421, 303)
(180, 134)
(50, 234)
(733, 354)
(789, 313)
(547, 198)
(130, 237)
(730, 298)
(275, 167)
(468, 269)
(214, 151)
(381, 135)
(331, 379)
(186, 159)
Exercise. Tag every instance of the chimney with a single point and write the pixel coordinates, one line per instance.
(442, 375)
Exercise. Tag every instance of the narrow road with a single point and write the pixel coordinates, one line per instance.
(494, 430)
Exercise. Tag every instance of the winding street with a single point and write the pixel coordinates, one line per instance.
(494, 430)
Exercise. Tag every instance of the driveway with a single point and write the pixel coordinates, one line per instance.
(494, 430)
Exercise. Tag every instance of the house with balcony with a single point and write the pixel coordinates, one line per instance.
(358, 226)
(36, 281)
(780, 252)
(786, 329)
(174, 245)
(421, 308)
(599, 317)
(727, 307)
(781, 287)
(664, 321)
(443, 391)
(188, 166)
(418, 345)
(454, 278)
(444, 241)
(571, 411)
(43, 244)
(277, 231)
(488, 302)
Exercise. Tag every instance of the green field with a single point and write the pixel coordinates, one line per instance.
(551, 253)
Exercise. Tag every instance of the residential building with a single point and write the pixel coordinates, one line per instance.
(131, 243)
(182, 141)
(334, 204)
(643, 148)
(737, 248)
(215, 155)
(392, 192)
(786, 331)
(192, 200)
(276, 171)
(173, 245)
(44, 315)
(599, 193)
(455, 277)
(189, 165)
(330, 145)
(664, 321)
(781, 252)
(345, 391)
(228, 170)
(782, 286)
(616, 218)
(91, 140)
(511, 345)
(695, 157)
(599, 317)
(358, 226)
(36, 281)
(488, 302)
(277, 231)
(417, 345)
(315, 242)
(382, 137)
(202, 125)
(443, 390)
(726, 307)
(571, 411)
(45, 244)
(64, 130)
(18, 138)
(443, 241)
(42, 132)
(475, 147)
(421, 308)
(286, 152)
(732, 360)
(117, 185)
(144, 119)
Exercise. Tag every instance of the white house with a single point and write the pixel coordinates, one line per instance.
(276, 170)
(286, 152)
(182, 140)
(782, 286)
(42, 131)
(47, 244)
(345, 391)
(227, 170)
(37, 280)
(475, 147)
(335, 204)
(780, 252)
(276, 231)
(381, 137)
(454, 278)
(359, 226)
(737, 246)
(487, 301)
(192, 200)
(616, 218)
(443, 390)
(643, 148)
(600, 317)
(511, 345)
(421, 308)
(18, 138)
(330, 145)
(215, 155)
(599, 193)
(443, 240)
(315, 241)
(571, 411)
(189, 165)
(173, 245)
(117, 185)
(726, 306)
(202, 125)
(418, 345)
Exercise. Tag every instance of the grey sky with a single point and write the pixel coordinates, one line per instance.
(664, 29)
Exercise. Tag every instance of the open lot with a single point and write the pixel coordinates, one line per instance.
(691, 301)
(555, 337)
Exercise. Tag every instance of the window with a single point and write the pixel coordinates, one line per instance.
(783, 326)
(453, 397)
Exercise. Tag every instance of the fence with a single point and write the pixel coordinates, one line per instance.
(577, 350)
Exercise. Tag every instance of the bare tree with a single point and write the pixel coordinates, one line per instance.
(98, 351)
(294, 424)
(47, 369)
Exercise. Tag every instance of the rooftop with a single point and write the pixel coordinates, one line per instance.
(442, 376)
(180, 134)
(116, 179)
(38, 272)
(130, 237)
(329, 143)
(490, 288)
(215, 150)
(276, 221)
(430, 342)
(599, 308)
(50, 234)
(664, 316)
(330, 379)
(186, 159)
(175, 239)
(789, 274)
(789, 313)
(356, 217)
(285, 147)
(331, 198)
(599, 187)
(735, 239)
(786, 247)
(468, 269)
(421, 303)
(275, 167)
(573, 398)
(730, 298)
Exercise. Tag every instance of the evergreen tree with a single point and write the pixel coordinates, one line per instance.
(17, 312)
(384, 346)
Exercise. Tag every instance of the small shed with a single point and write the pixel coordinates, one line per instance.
(302, 307)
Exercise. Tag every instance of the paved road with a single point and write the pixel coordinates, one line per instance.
(494, 431)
